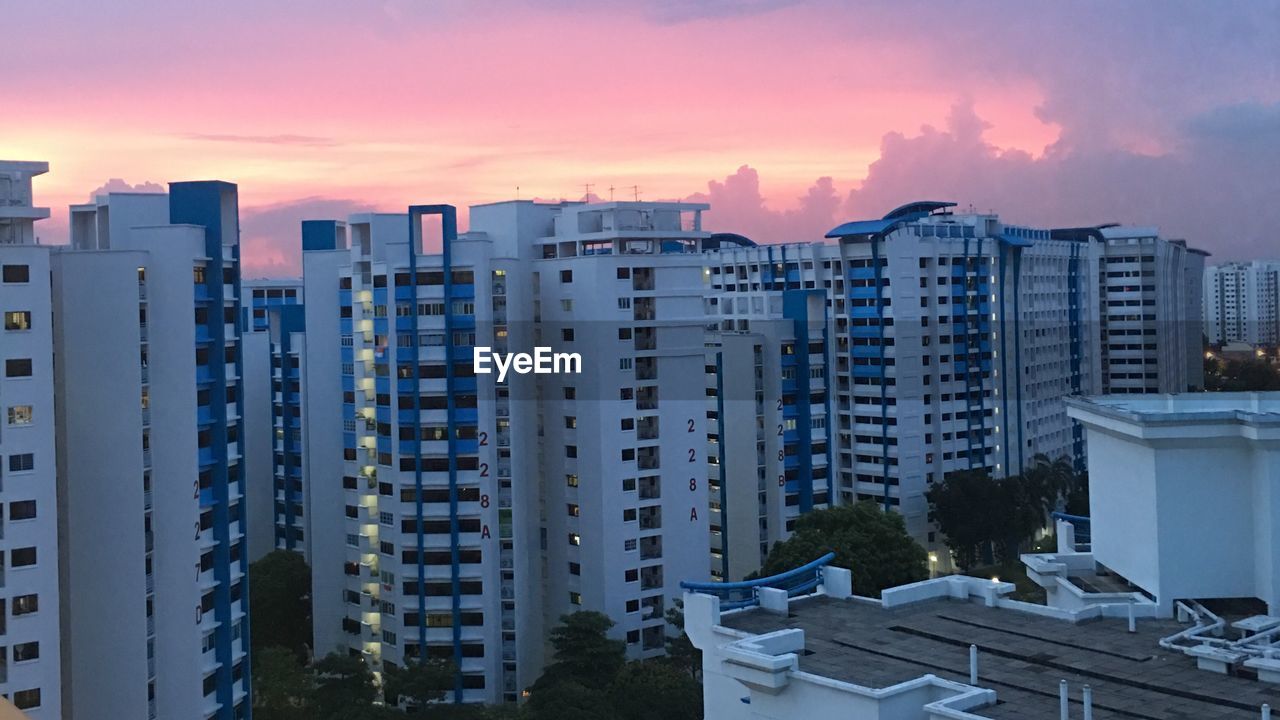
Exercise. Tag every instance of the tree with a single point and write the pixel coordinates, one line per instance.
(1240, 375)
(281, 686)
(344, 688)
(963, 505)
(681, 654)
(872, 544)
(280, 602)
(655, 690)
(418, 684)
(584, 653)
(566, 699)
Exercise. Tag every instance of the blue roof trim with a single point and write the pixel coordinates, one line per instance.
(917, 207)
(1015, 241)
(862, 227)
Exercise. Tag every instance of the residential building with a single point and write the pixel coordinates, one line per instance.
(1242, 303)
(932, 342)
(1151, 322)
(146, 305)
(30, 638)
(274, 330)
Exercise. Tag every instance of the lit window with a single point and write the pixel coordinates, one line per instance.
(575, 539)
(17, 320)
(20, 415)
(575, 598)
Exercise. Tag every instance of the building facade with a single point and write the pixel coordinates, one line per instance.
(275, 324)
(148, 340)
(29, 593)
(1242, 303)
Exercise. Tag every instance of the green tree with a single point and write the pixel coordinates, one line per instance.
(282, 686)
(681, 654)
(344, 688)
(418, 684)
(584, 653)
(655, 690)
(965, 506)
(568, 700)
(280, 602)
(872, 544)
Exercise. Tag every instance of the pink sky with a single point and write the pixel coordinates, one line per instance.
(336, 105)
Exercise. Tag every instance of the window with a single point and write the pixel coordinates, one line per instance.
(22, 462)
(25, 604)
(22, 510)
(573, 510)
(17, 320)
(23, 652)
(22, 557)
(629, 515)
(566, 305)
(20, 415)
(575, 598)
(571, 451)
(566, 276)
(571, 480)
(570, 393)
(624, 303)
(575, 568)
(629, 545)
(624, 273)
(570, 422)
(632, 575)
(17, 367)
(624, 363)
(566, 334)
(575, 539)
(17, 273)
(27, 699)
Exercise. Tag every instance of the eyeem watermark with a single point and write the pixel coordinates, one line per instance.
(543, 361)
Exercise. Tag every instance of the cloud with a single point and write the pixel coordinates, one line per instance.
(737, 205)
(1213, 188)
(271, 235)
(118, 185)
(285, 139)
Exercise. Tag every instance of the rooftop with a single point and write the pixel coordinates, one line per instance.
(1022, 657)
(1249, 408)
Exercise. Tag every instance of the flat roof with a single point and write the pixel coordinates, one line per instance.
(1022, 656)
(1252, 407)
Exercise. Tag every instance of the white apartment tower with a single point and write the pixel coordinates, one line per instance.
(147, 341)
(29, 631)
(1242, 303)
(624, 444)
(939, 342)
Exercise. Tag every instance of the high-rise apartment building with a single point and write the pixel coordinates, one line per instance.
(478, 511)
(724, 390)
(274, 325)
(29, 631)
(1242, 303)
(146, 310)
(938, 342)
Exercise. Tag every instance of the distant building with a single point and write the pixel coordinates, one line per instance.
(1242, 303)
(30, 639)
(275, 325)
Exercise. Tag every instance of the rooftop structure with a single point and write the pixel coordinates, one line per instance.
(954, 648)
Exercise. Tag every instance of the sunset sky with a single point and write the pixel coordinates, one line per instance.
(789, 117)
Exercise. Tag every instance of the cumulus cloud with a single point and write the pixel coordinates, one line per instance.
(271, 235)
(1214, 187)
(120, 186)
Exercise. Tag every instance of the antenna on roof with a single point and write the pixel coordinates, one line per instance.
(635, 189)
(610, 193)
(517, 192)
(586, 187)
